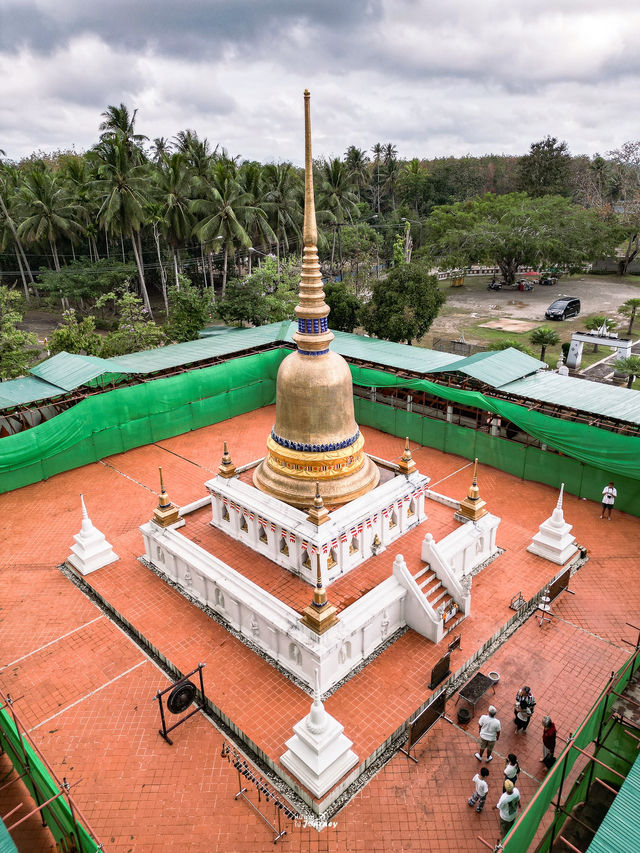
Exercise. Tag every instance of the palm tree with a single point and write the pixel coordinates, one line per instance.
(8, 191)
(160, 148)
(544, 337)
(223, 213)
(337, 201)
(391, 171)
(81, 190)
(377, 151)
(122, 188)
(629, 308)
(629, 367)
(173, 189)
(251, 179)
(197, 151)
(282, 203)
(412, 183)
(120, 124)
(357, 163)
(48, 212)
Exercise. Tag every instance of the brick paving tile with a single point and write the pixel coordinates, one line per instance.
(140, 794)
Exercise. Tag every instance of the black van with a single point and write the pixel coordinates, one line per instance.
(563, 309)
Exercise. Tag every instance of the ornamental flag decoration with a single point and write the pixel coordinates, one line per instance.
(360, 528)
(273, 527)
(368, 523)
(283, 533)
(334, 543)
(292, 538)
(343, 538)
(325, 548)
(304, 545)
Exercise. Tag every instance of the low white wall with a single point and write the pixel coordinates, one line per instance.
(271, 625)
(283, 534)
(468, 546)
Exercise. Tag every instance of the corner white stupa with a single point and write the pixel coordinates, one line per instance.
(554, 541)
(91, 550)
(319, 754)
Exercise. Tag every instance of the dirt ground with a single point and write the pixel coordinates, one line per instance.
(472, 305)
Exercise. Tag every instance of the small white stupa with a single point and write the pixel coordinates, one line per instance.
(319, 754)
(91, 550)
(554, 541)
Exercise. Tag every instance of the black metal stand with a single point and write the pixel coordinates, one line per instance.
(164, 731)
(244, 769)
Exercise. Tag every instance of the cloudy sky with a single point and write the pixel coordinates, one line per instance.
(436, 77)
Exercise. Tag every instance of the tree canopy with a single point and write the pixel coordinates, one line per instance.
(404, 304)
(515, 229)
(17, 348)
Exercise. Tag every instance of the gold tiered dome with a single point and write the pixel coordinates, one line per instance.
(315, 438)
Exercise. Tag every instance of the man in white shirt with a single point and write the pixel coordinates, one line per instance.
(507, 807)
(489, 728)
(609, 494)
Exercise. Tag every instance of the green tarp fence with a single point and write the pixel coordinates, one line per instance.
(522, 835)
(57, 814)
(619, 454)
(119, 420)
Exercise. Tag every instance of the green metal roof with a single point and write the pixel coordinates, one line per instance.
(611, 401)
(27, 389)
(6, 842)
(508, 370)
(619, 832)
(497, 368)
(69, 371)
(389, 354)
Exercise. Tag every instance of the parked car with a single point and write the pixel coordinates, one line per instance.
(563, 309)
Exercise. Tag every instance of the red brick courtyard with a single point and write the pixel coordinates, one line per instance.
(86, 688)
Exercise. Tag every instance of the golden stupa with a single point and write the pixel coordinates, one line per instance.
(315, 438)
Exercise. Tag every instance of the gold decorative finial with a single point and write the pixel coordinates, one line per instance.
(406, 464)
(166, 513)
(318, 513)
(313, 336)
(227, 469)
(310, 229)
(319, 616)
(473, 507)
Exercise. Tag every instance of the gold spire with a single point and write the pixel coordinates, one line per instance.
(227, 468)
(166, 513)
(315, 436)
(313, 335)
(406, 464)
(473, 507)
(319, 616)
(318, 513)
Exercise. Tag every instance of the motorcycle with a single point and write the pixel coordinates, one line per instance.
(495, 285)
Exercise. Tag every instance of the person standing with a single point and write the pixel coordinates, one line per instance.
(489, 729)
(523, 714)
(525, 695)
(479, 796)
(507, 807)
(549, 733)
(511, 769)
(609, 494)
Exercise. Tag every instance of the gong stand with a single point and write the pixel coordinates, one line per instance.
(244, 769)
(181, 694)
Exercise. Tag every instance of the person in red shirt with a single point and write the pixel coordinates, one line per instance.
(549, 733)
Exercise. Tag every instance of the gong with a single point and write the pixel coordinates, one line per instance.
(181, 697)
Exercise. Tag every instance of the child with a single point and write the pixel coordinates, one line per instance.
(523, 713)
(479, 796)
(511, 769)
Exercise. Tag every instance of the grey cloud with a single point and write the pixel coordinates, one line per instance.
(190, 27)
